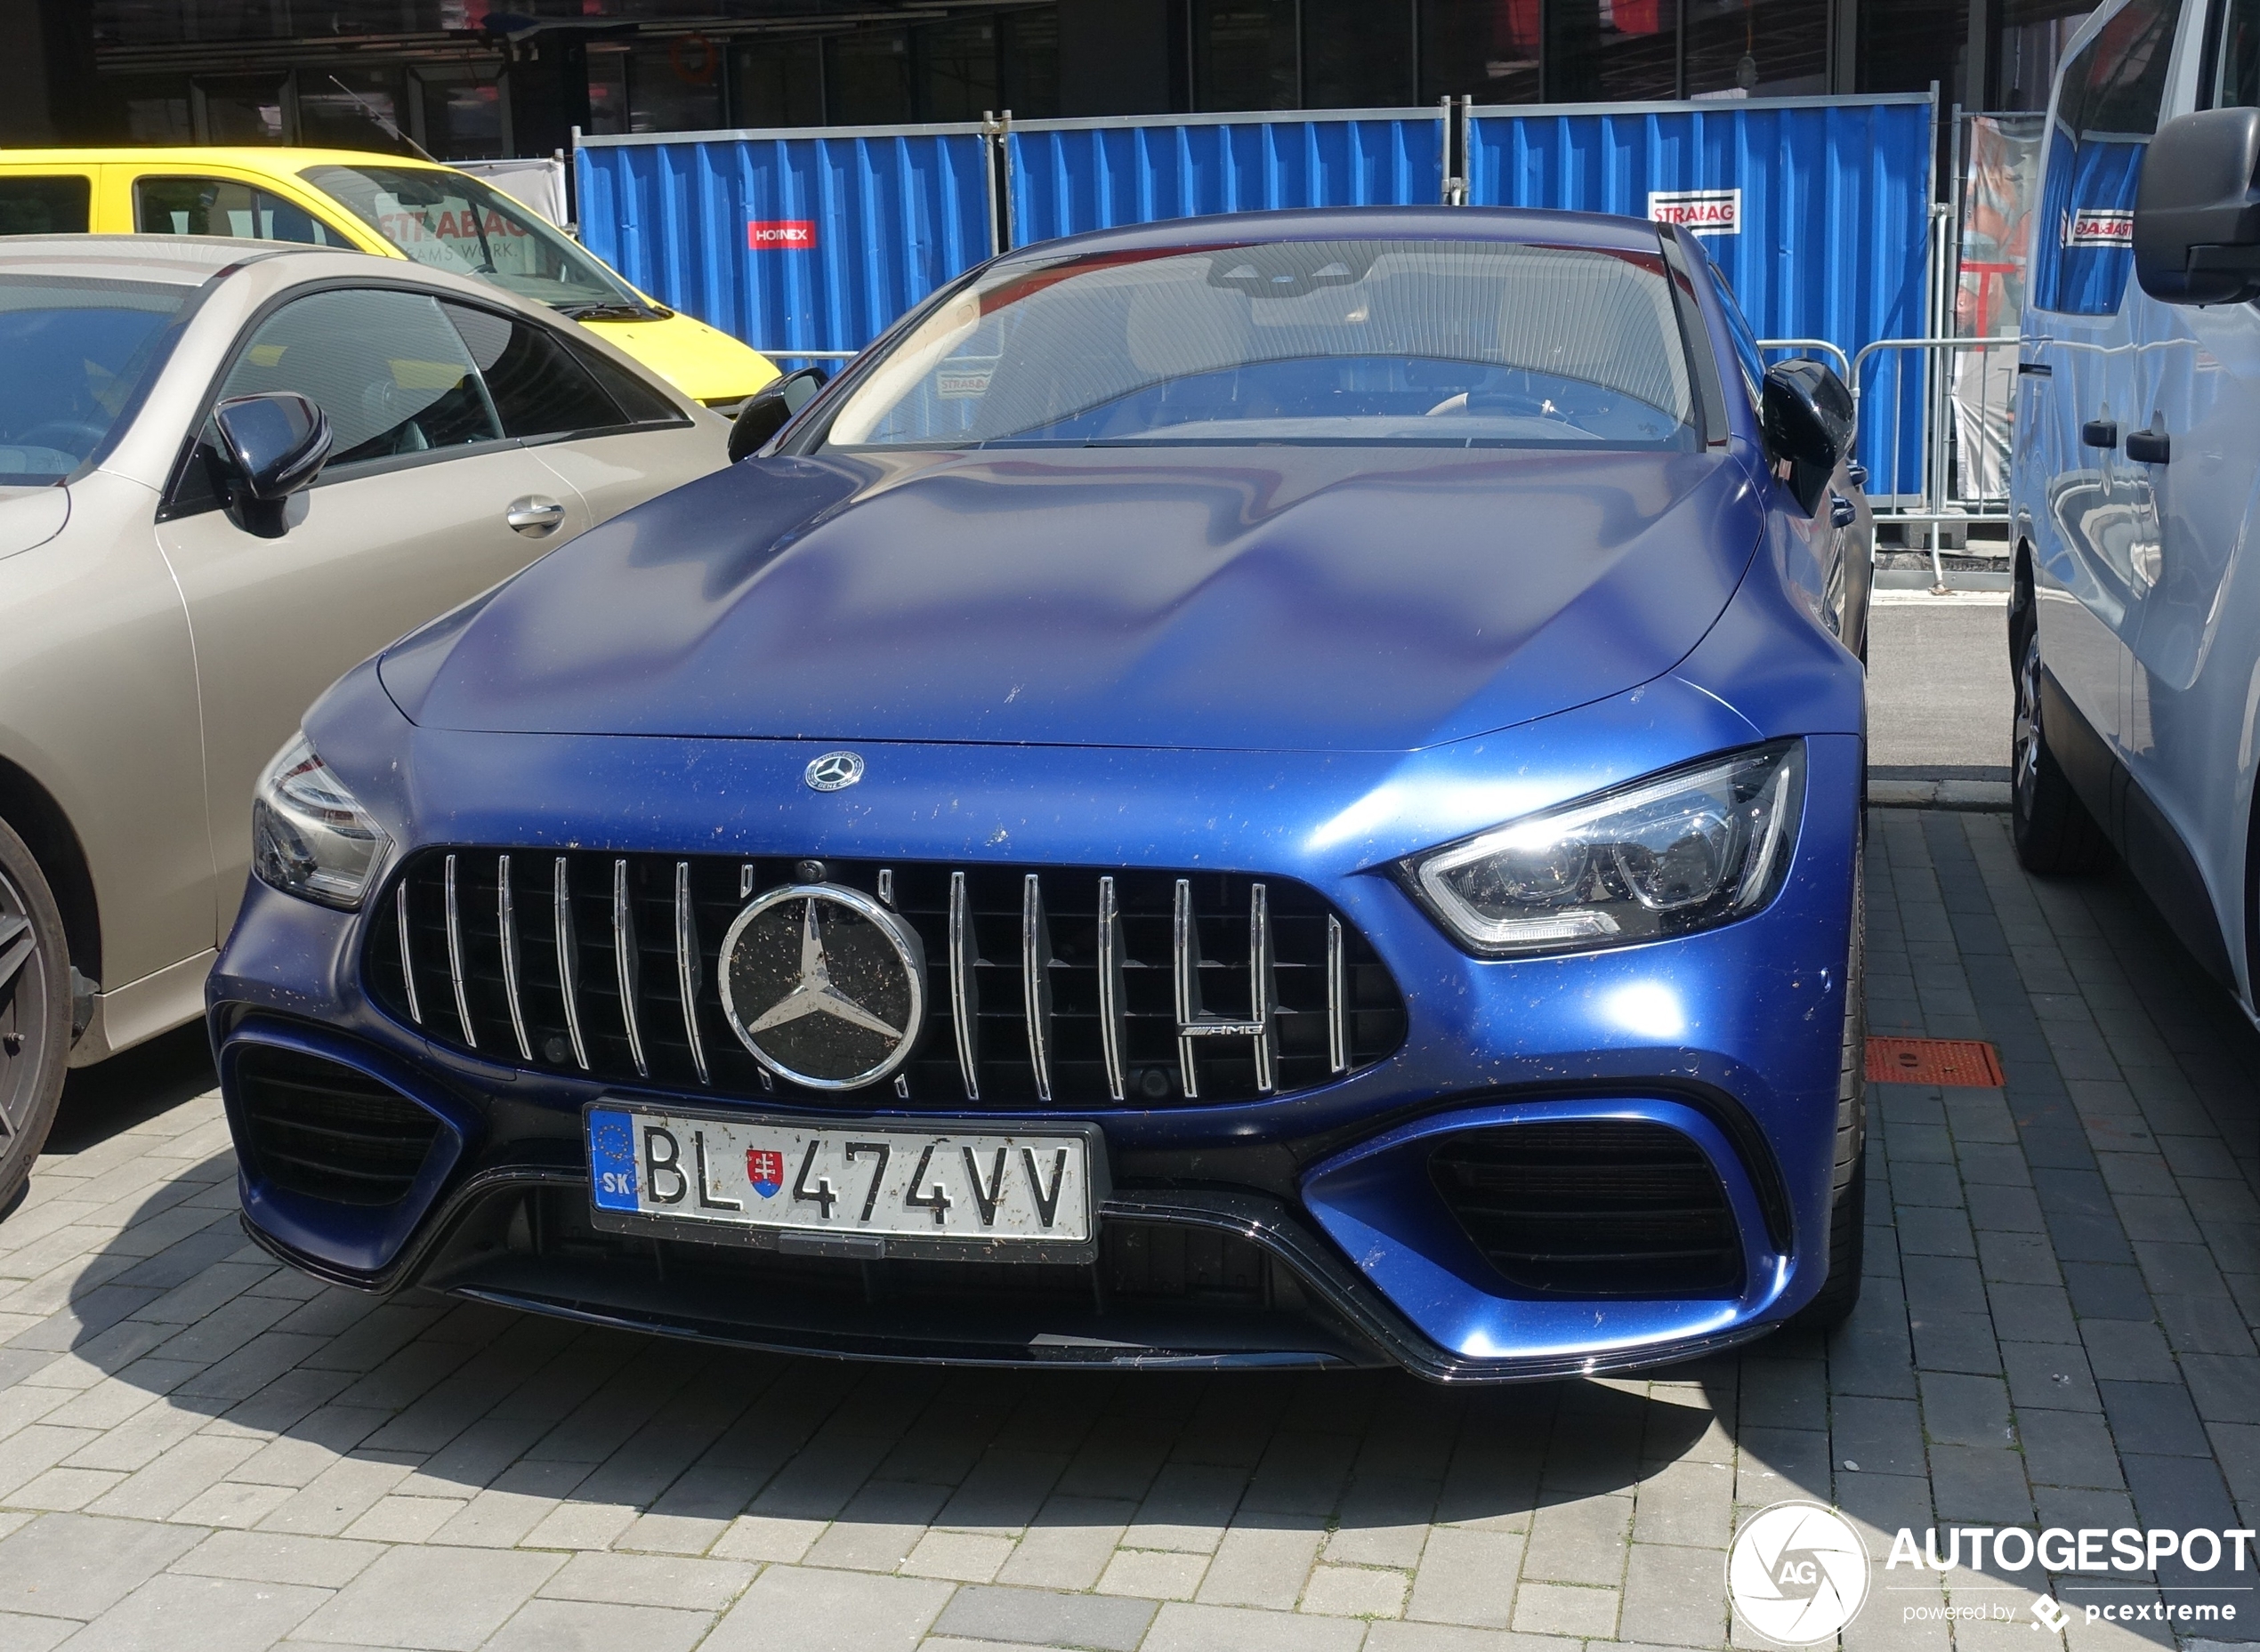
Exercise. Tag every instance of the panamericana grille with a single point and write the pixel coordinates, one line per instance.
(328, 1131)
(1157, 986)
(1592, 1208)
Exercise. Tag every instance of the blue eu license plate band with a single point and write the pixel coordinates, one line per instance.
(611, 1159)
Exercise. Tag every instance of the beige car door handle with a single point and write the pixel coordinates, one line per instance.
(533, 516)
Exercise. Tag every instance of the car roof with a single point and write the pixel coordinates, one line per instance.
(260, 158)
(177, 260)
(1527, 224)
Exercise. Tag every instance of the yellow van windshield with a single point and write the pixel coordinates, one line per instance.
(448, 221)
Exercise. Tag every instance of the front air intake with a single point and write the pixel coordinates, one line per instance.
(318, 1127)
(1592, 1208)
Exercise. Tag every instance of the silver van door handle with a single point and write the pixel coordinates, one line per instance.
(533, 516)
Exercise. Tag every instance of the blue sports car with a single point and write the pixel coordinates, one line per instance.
(1258, 791)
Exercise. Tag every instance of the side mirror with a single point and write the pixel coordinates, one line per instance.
(768, 410)
(1807, 413)
(2197, 212)
(274, 444)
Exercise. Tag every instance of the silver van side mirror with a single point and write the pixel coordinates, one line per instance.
(2197, 211)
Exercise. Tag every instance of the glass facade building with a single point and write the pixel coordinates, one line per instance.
(466, 79)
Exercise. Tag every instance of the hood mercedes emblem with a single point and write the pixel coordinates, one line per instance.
(824, 985)
(835, 772)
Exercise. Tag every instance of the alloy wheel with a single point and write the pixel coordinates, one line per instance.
(2024, 753)
(24, 1014)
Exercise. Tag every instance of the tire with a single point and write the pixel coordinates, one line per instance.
(34, 1013)
(1839, 1293)
(2055, 836)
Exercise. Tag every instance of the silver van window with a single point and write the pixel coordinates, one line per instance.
(2115, 85)
(2236, 75)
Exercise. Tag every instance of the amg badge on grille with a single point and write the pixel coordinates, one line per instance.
(824, 985)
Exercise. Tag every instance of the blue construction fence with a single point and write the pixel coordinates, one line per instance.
(1816, 209)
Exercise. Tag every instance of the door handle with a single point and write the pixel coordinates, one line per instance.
(2100, 433)
(1841, 513)
(2150, 446)
(533, 516)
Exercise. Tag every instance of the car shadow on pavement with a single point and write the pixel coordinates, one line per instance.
(144, 1082)
(272, 1400)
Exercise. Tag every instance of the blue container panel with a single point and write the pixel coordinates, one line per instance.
(1833, 227)
(887, 219)
(1066, 181)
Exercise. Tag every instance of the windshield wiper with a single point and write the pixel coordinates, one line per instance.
(614, 313)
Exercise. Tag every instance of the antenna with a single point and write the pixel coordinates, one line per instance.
(384, 122)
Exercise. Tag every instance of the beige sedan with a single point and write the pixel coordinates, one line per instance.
(227, 471)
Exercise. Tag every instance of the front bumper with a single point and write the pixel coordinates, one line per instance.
(1335, 1247)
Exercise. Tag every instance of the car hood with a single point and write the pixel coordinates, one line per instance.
(1323, 599)
(31, 516)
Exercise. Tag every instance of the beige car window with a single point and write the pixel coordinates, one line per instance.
(222, 207)
(391, 375)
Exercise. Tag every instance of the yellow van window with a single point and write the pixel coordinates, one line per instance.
(48, 205)
(222, 207)
(447, 221)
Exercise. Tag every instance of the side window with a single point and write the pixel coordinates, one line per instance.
(539, 387)
(222, 207)
(1747, 353)
(2108, 103)
(2236, 78)
(638, 400)
(386, 368)
(52, 205)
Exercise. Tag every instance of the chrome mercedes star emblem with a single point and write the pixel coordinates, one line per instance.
(824, 985)
(814, 994)
(835, 772)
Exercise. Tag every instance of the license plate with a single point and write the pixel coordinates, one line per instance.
(876, 1188)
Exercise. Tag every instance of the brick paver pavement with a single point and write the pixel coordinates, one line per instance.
(199, 1449)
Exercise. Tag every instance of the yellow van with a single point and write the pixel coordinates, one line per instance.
(389, 204)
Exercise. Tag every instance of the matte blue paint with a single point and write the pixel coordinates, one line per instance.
(1298, 662)
(358, 1237)
(1227, 598)
(1375, 1202)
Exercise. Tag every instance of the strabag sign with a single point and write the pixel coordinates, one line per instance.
(2093, 226)
(1698, 211)
(769, 234)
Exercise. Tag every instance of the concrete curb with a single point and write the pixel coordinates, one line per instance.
(1977, 796)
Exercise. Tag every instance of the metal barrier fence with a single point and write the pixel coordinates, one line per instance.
(808, 242)
(801, 240)
(798, 240)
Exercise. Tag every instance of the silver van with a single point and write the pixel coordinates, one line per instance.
(2133, 631)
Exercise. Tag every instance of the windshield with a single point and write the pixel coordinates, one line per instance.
(451, 221)
(1452, 342)
(72, 353)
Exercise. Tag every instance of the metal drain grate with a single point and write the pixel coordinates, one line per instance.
(1968, 1063)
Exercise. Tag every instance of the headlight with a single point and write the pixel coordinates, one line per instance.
(1684, 850)
(309, 836)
